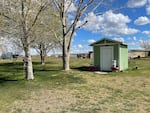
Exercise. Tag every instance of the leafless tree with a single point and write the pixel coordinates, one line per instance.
(10, 45)
(79, 9)
(44, 46)
(20, 18)
(145, 45)
(48, 35)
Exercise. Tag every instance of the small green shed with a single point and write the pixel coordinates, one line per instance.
(110, 54)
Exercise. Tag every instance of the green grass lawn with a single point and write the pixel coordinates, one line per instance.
(76, 91)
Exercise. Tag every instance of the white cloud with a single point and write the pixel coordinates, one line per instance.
(139, 3)
(141, 41)
(69, 6)
(133, 43)
(91, 41)
(93, 22)
(136, 3)
(109, 24)
(148, 9)
(136, 44)
(134, 38)
(146, 33)
(142, 21)
(111, 0)
(77, 49)
(144, 44)
(80, 46)
(75, 34)
(119, 39)
(129, 38)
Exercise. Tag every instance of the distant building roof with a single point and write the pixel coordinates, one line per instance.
(138, 50)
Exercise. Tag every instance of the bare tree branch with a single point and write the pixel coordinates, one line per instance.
(42, 7)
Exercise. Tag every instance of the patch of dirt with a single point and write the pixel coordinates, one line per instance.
(45, 101)
(99, 95)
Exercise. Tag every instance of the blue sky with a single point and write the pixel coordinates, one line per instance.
(123, 20)
(130, 24)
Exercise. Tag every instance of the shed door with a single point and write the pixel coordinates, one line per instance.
(106, 57)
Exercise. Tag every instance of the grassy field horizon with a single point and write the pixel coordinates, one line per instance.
(75, 91)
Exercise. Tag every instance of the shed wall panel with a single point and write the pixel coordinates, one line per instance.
(97, 56)
(123, 58)
(116, 54)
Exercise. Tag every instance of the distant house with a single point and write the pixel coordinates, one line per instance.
(85, 55)
(138, 53)
(110, 54)
(7, 55)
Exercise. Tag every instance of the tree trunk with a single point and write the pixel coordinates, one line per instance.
(66, 61)
(65, 56)
(66, 44)
(42, 53)
(28, 65)
(42, 59)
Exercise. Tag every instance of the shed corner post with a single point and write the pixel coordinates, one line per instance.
(119, 56)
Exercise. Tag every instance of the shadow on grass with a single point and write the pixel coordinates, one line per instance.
(82, 68)
(59, 78)
(86, 68)
(47, 68)
(11, 67)
(10, 72)
(46, 63)
(65, 79)
(51, 74)
(4, 79)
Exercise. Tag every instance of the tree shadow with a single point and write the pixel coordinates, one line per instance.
(11, 67)
(44, 68)
(39, 63)
(7, 79)
(9, 72)
(87, 68)
(60, 80)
